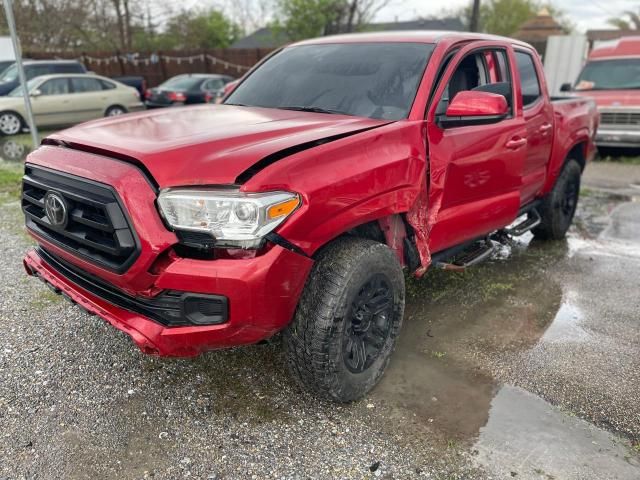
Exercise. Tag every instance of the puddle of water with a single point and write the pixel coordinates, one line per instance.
(460, 328)
(565, 327)
(527, 438)
(454, 322)
(624, 224)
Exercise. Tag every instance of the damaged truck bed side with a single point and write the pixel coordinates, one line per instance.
(296, 204)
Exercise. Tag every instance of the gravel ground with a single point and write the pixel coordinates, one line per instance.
(77, 399)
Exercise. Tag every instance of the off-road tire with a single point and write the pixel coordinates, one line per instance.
(315, 341)
(559, 206)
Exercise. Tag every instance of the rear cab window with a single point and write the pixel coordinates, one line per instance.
(530, 83)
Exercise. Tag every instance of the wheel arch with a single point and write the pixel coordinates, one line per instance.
(391, 230)
(578, 153)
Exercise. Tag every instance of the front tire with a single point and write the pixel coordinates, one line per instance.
(348, 320)
(10, 123)
(559, 206)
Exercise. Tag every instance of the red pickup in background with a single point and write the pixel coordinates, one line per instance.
(612, 78)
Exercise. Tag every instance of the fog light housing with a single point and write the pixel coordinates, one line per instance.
(205, 309)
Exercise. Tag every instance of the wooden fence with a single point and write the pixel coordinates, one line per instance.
(156, 67)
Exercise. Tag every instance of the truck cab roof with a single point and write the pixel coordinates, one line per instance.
(415, 36)
(621, 47)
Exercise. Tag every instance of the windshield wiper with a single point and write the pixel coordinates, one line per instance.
(314, 110)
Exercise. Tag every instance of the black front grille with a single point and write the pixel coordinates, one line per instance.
(620, 118)
(96, 226)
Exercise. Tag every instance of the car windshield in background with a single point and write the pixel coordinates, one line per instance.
(181, 83)
(17, 92)
(619, 74)
(10, 74)
(376, 80)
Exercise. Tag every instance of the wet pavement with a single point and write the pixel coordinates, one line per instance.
(527, 366)
(510, 357)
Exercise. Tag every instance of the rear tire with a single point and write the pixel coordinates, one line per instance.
(559, 206)
(348, 320)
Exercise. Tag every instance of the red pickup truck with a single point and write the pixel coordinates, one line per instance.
(612, 78)
(295, 206)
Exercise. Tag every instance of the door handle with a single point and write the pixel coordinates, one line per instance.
(516, 143)
(545, 127)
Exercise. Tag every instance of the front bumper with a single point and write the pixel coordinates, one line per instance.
(618, 137)
(262, 295)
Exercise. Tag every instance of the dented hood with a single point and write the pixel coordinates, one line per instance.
(208, 144)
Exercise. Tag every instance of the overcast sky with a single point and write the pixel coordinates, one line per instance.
(585, 14)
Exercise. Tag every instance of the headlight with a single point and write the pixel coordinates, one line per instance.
(230, 216)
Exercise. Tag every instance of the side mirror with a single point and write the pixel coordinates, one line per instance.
(475, 108)
(35, 93)
(565, 87)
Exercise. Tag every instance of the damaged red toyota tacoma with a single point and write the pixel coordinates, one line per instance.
(295, 206)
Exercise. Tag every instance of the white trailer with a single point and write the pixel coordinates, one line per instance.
(6, 49)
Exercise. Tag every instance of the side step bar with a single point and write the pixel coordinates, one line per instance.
(533, 220)
(459, 257)
(475, 254)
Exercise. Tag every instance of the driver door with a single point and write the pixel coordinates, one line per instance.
(475, 170)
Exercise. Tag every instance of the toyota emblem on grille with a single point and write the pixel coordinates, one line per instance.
(56, 209)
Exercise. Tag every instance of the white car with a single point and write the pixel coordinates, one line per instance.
(67, 99)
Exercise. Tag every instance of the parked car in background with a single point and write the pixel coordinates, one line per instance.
(4, 64)
(187, 89)
(59, 100)
(228, 88)
(35, 68)
(137, 82)
(612, 78)
(296, 204)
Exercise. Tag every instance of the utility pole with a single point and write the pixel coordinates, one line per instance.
(11, 21)
(475, 16)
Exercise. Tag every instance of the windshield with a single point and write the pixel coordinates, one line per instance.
(619, 74)
(17, 92)
(10, 74)
(376, 80)
(181, 83)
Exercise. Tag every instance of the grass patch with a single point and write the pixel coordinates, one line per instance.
(10, 181)
(45, 299)
(629, 160)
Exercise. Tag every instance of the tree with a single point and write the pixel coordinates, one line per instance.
(630, 21)
(302, 19)
(200, 29)
(505, 17)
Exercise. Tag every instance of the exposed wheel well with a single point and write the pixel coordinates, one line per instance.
(395, 232)
(578, 153)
